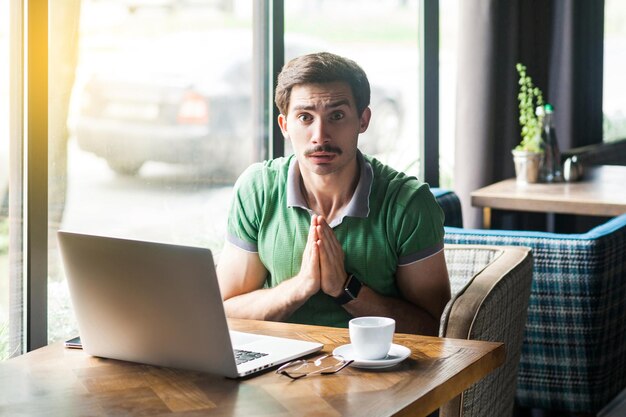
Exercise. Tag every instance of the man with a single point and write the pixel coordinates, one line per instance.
(328, 233)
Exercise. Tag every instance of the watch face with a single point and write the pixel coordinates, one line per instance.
(350, 291)
(353, 287)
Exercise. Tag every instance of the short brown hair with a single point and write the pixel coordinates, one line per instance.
(322, 67)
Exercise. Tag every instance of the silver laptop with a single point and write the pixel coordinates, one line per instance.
(160, 304)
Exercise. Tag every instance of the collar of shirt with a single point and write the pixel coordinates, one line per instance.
(359, 203)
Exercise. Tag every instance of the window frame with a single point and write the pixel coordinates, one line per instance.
(36, 204)
(28, 190)
(429, 80)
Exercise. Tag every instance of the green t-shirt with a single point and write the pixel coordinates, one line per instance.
(392, 219)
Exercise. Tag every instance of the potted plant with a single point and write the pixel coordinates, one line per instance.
(528, 155)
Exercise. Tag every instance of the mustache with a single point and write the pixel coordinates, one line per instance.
(323, 148)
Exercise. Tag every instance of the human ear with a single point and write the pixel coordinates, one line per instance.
(364, 120)
(282, 123)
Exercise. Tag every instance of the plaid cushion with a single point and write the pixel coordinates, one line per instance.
(451, 206)
(574, 352)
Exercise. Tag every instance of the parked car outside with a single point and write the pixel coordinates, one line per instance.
(160, 102)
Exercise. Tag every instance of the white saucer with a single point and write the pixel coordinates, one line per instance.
(396, 354)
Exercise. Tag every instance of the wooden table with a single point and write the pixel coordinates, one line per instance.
(54, 381)
(602, 192)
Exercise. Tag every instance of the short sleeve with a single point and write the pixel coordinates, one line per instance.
(418, 224)
(245, 209)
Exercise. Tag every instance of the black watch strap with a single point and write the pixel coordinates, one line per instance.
(350, 290)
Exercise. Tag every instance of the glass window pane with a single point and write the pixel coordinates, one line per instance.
(150, 124)
(448, 31)
(614, 84)
(4, 178)
(11, 216)
(382, 37)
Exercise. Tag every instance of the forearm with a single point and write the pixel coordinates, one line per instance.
(409, 317)
(273, 304)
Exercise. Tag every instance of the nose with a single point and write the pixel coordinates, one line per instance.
(319, 132)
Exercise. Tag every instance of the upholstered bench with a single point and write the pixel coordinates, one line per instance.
(574, 352)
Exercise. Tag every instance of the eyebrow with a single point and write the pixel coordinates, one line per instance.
(331, 105)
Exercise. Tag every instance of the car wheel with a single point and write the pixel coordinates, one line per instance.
(125, 168)
(384, 128)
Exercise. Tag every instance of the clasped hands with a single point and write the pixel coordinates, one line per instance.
(322, 261)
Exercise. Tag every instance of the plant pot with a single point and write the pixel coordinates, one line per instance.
(527, 166)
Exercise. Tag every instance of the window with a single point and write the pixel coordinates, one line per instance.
(150, 120)
(12, 302)
(4, 179)
(150, 124)
(614, 84)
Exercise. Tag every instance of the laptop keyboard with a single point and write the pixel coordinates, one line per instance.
(243, 356)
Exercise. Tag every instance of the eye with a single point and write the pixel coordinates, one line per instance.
(305, 117)
(337, 115)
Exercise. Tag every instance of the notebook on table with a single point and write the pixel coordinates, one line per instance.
(160, 304)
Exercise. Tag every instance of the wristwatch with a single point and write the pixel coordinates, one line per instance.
(350, 290)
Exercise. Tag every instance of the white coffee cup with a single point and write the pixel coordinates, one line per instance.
(371, 336)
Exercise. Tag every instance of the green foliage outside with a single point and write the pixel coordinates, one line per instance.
(4, 237)
(61, 320)
(614, 127)
(530, 97)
